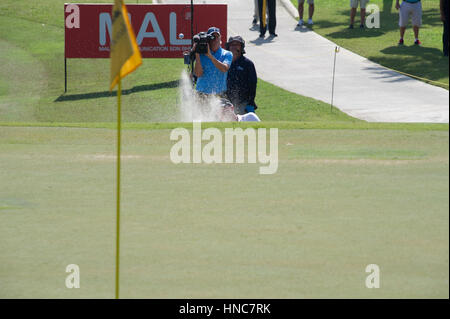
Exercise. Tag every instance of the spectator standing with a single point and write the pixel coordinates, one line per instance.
(409, 8)
(444, 17)
(271, 7)
(354, 5)
(301, 5)
(255, 14)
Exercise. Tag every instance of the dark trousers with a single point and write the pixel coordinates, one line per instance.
(271, 6)
(445, 37)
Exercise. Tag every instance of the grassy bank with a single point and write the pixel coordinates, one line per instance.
(332, 18)
(32, 79)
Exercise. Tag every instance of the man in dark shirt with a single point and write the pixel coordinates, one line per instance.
(270, 6)
(241, 79)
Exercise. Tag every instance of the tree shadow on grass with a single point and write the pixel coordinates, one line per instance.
(388, 23)
(425, 53)
(387, 6)
(428, 63)
(318, 24)
(356, 33)
(135, 89)
(346, 33)
(324, 24)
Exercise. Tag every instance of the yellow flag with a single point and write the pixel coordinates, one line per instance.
(124, 54)
(264, 14)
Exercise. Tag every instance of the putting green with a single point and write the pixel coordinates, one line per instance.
(341, 199)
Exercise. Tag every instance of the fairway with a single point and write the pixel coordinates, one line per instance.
(347, 193)
(341, 199)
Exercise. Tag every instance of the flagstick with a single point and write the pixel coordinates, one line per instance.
(119, 93)
(336, 50)
(264, 13)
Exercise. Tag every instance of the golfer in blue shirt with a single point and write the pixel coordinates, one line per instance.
(212, 68)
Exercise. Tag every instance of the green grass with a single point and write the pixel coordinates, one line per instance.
(347, 193)
(341, 199)
(266, 124)
(32, 79)
(331, 20)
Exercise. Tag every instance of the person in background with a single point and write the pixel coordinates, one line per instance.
(409, 8)
(271, 7)
(256, 14)
(242, 78)
(444, 18)
(354, 6)
(301, 4)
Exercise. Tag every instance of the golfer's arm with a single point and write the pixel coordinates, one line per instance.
(223, 67)
(198, 69)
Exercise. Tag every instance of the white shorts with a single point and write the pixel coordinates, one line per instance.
(303, 1)
(354, 3)
(413, 10)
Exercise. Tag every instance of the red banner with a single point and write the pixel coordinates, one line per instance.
(162, 30)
